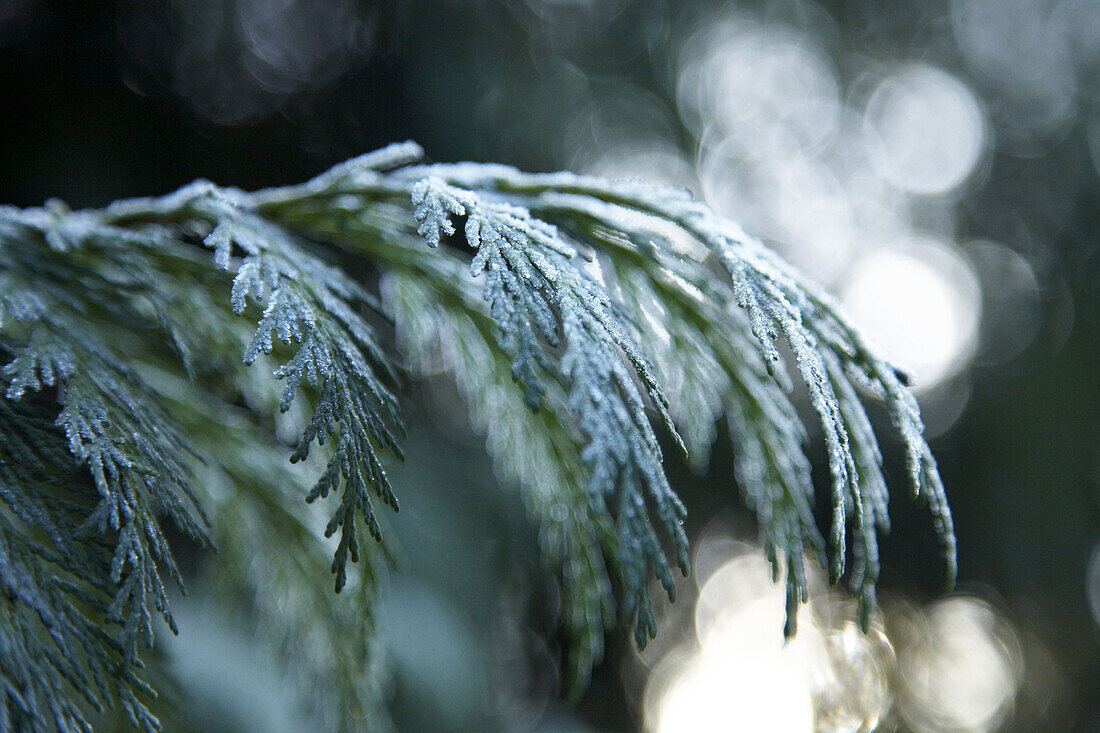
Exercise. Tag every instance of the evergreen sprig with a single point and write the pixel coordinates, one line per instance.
(581, 320)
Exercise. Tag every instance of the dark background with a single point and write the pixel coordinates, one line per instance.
(103, 100)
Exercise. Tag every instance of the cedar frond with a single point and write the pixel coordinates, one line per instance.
(583, 320)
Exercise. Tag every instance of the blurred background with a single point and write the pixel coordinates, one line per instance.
(934, 164)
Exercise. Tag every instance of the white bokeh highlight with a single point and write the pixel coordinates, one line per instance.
(962, 670)
(920, 303)
(765, 88)
(740, 673)
(925, 130)
(955, 665)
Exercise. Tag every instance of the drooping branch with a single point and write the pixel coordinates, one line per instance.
(582, 319)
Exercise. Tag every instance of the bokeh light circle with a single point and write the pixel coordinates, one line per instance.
(852, 692)
(926, 130)
(920, 303)
(964, 672)
(766, 87)
(741, 672)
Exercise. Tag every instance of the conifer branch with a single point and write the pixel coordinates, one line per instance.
(624, 313)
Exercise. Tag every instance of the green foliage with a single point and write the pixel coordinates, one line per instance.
(585, 308)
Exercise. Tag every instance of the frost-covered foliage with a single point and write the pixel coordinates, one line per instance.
(582, 321)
